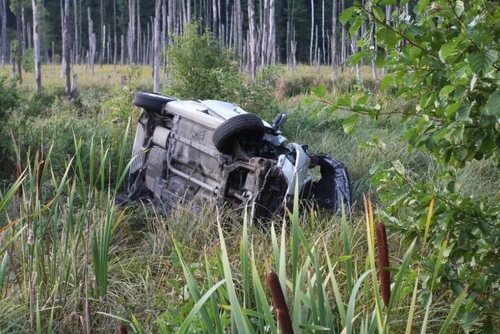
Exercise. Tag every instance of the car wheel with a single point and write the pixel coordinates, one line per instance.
(238, 127)
(151, 101)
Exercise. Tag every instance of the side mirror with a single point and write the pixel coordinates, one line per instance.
(279, 120)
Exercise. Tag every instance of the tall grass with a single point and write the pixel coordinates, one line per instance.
(48, 223)
(321, 296)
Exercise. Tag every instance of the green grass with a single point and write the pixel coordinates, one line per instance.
(72, 261)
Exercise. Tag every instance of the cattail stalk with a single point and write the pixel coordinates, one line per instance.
(18, 175)
(383, 263)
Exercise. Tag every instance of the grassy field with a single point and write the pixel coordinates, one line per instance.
(71, 261)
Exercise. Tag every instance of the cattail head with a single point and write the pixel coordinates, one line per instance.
(383, 262)
(284, 321)
(123, 329)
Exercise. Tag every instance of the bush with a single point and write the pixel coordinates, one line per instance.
(9, 99)
(200, 68)
(28, 61)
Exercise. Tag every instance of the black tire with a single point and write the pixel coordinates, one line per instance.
(151, 101)
(244, 126)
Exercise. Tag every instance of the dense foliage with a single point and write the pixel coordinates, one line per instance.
(9, 99)
(444, 63)
(200, 68)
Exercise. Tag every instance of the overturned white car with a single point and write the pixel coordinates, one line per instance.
(197, 152)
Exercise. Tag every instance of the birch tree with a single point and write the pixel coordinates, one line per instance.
(19, 41)
(131, 31)
(103, 34)
(66, 46)
(76, 43)
(334, 42)
(3, 46)
(157, 49)
(115, 38)
(36, 43)
(91, 52)
(343, 38)
(251, 40)
(312, 34)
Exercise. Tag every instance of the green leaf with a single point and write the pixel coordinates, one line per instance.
(308, 100)
(452, 108)
(493, 103)
(356, 58)
(366, 144)
(319, 91)
(447, 49)
(398, 166)
(463, 112)
(459, 8)
(344, 101)
(481, 63)
(421, 6)
(380, 59)
(349, 124)
(387, 37)
(446, 90)
(353, 29)
(346, 15)
(378, 13)
(386, 82)
(376, 166)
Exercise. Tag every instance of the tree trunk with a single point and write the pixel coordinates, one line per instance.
(122, 53)
(323, 30)
(19, 42)
(157, 49)
(115, 38)
(138, 35)
(272, 33)
(170, 20)
(77, 35)
(29, 31)
(103, 45)
(343, 39)
(293, 50)
(251, 40)
(12, 63)
(264, 31)
(36, 42)
(131, 31)
(91, 42)
(3, 36)
(103, 34)
(312, 34)
(334, 42)
(23, 31)
(215, 20)
(238, 28)
(67, 53)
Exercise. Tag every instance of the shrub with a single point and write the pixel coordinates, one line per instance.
(200, 68)
(28, 61)
(9, 99)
